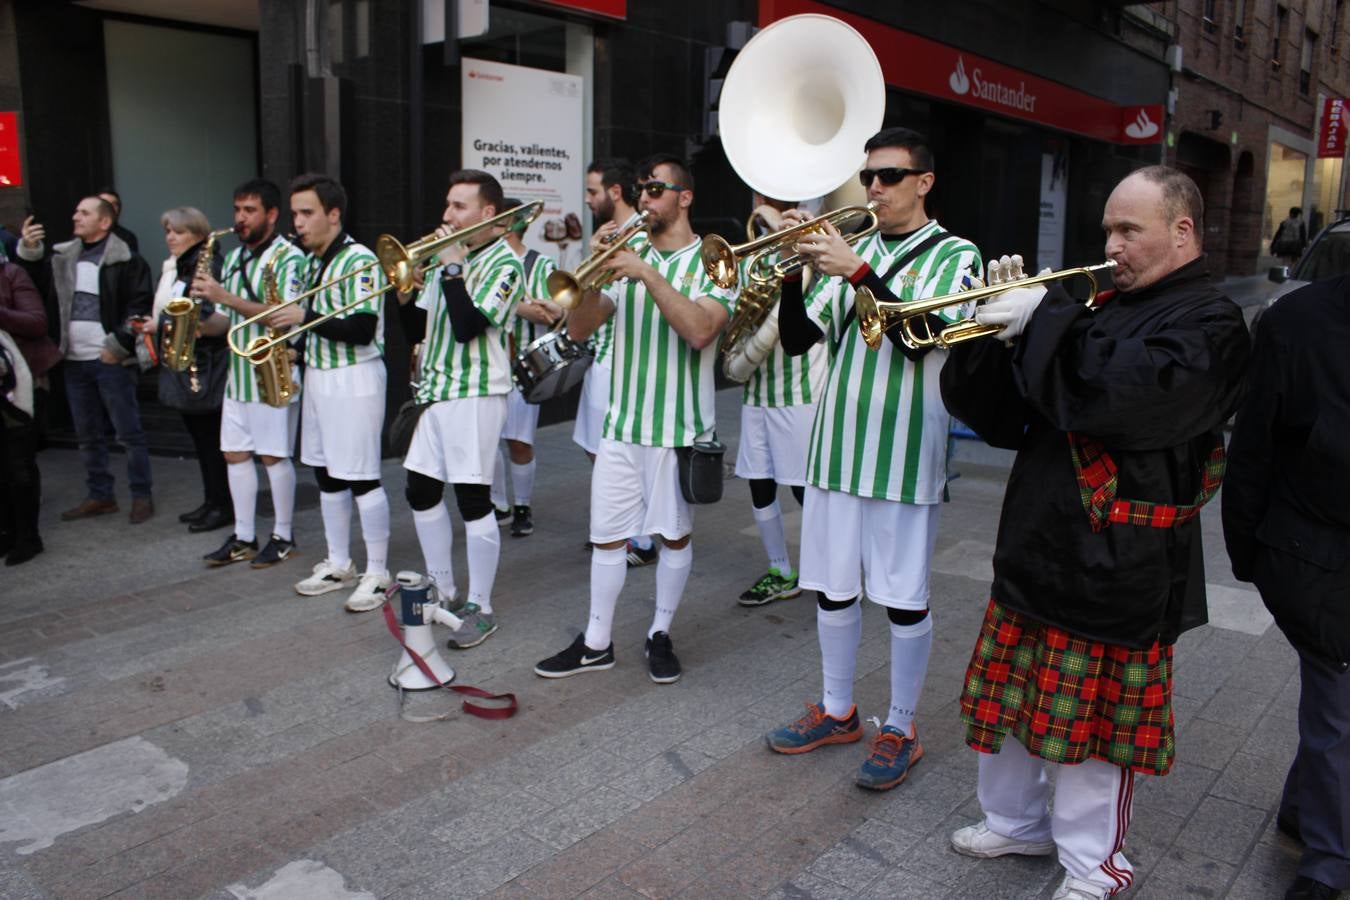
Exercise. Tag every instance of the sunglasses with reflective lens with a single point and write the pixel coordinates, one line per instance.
(655, 189)
(890, 176)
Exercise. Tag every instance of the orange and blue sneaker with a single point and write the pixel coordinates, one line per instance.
(894, 753)
(815, 729)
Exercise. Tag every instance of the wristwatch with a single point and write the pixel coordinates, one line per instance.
(452, 270)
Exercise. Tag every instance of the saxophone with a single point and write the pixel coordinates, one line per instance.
(179, 344)
(273, 364)
(743, 349)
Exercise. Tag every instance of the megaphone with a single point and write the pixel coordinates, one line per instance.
(421, 605)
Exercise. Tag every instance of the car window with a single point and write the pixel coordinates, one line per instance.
(1326, 258)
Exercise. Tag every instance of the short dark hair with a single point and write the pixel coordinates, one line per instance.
(1295, 210)
(1181, 196)
(264, 190)
(920, 153)
(683, 176)
(616, 171)
(489, 188)
(109, 190)
(331, 194)
(105, 209)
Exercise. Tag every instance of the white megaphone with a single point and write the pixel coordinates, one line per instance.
(421, 605)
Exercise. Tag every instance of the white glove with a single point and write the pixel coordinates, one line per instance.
(1012, 309)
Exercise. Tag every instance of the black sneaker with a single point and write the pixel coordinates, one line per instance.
(661, 662)
(276, 550)
(522, 523)
(503, 515)
(232, 551)
(576, 658)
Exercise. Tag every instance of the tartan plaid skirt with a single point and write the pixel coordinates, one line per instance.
(1067, 698)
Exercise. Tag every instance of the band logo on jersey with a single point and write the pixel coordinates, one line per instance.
(505, 288)
(365, 283)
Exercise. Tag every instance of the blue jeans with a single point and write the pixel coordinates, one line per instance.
(99, 393)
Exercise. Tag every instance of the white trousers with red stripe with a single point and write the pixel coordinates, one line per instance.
(1093, 801)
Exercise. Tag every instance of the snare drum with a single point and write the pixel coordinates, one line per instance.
(550, 366)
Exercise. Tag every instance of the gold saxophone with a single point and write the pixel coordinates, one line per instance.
(272, 363)
(179, 344)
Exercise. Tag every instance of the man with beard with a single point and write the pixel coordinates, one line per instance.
(249, 426)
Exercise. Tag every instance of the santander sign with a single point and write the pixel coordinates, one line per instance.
(994, 92)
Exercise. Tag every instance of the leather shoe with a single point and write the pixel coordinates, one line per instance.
(23, 551)
(1305, 888)
(89, 507)
(142, 508)
(215, 518)
(1288, 826)
(189, 518)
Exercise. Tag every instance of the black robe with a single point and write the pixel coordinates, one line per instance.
(1153, 374)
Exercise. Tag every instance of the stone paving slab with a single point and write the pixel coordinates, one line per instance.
(303, 780)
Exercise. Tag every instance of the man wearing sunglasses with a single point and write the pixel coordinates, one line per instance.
(876, 465)
(667, 315)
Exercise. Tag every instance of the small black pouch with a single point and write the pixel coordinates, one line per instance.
(404, 424)
(701, 470)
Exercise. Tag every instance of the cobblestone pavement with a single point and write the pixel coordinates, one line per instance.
(168, 731)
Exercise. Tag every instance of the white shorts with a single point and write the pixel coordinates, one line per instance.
(344, 414)
(258, 428)
(521, 418)
(456, 440)
(636, 490)
(774, 440)
(846, 539)
(591, 411)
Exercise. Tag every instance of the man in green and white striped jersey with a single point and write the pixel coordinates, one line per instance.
(533, 316)
(344, 391)
(462, 315)
(667, 315)
(877, 460)
(778, 407)
(248, 426)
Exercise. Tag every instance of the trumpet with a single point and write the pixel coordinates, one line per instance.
(876, 317)
(400, 265)
(566, 288)
(721, 259)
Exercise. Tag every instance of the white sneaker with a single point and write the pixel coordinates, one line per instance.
(1077, 889)
(979, 841)
(326, 577)
(369, 594)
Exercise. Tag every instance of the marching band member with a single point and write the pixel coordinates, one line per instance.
(667, 315)
(534, 314)
(344, 392)
(248, 425)
(778, 407)
(877, 460)
(1073, 664)
(464, 309)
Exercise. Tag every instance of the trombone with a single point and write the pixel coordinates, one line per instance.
(566, 288)
(876, 317)
(400, 266)
(720, 258)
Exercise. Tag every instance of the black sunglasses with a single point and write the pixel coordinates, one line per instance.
(890, 176)
(655, 189)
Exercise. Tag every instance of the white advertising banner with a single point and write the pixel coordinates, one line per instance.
(1054, 200)
(524, 126)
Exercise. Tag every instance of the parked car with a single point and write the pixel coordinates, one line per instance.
(1328, 256)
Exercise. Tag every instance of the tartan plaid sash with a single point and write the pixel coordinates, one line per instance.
(1097, 483)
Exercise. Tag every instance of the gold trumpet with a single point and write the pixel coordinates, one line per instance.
(721, 259)
(567, 288)
(876, 317)
(400, 266)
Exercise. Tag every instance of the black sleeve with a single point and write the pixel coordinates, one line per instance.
(414, 321)
(356, 329)
(895, 333)
(979, 390)
(466, 321)
(797, 333)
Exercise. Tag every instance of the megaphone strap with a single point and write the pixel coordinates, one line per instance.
(504, 705)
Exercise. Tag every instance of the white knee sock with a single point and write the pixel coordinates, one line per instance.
(672, 572)
(499, 500)
(839, 631)
(243, 479)
(437, 539)
(770, 521)
(643, 541)
(483, 545)
(337, 525)
(609, 568)
(522, 482)
(374, 509)
(281, 476)
(910, 646)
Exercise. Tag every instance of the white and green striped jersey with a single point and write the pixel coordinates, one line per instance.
(241, 267)
(523, 331)
(481, 367)
(321, 352)
(603, 339)
(783, 380)
(661, 392)
(880, 428)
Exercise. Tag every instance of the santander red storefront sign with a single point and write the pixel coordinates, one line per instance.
(917, 64)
